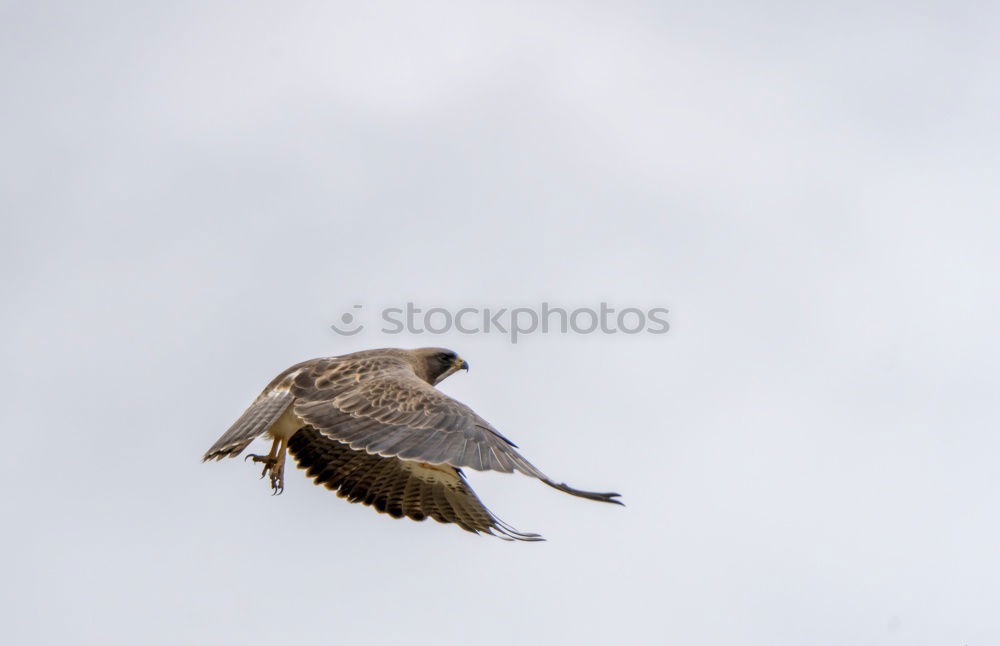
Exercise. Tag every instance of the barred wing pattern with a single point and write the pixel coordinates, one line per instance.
(396, 487)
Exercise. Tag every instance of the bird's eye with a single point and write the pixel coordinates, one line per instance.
(444, 357)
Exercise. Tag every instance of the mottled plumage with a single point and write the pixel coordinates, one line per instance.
(371, 426)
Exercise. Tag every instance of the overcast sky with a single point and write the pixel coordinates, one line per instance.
(192, 193)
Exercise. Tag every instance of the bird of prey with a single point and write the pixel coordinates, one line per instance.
(371, 426)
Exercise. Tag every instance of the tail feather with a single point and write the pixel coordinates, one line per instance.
(255, 421)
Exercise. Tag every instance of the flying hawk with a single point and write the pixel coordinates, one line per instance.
(372, 426)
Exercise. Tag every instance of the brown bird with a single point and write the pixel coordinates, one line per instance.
(371, 426)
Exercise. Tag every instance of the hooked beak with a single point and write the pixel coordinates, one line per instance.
(458, 363)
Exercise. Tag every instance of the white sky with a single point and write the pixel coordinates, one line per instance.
(192, 193)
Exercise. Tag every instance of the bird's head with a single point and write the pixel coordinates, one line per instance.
(436, 364)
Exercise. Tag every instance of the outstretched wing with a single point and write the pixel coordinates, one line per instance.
(396, 487)
(380, 406)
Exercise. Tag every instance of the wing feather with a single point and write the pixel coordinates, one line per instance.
(397, 487)
(379, 405)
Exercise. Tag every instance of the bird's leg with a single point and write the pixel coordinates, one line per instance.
(278, 469)
(274, 464)
(268, 460)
